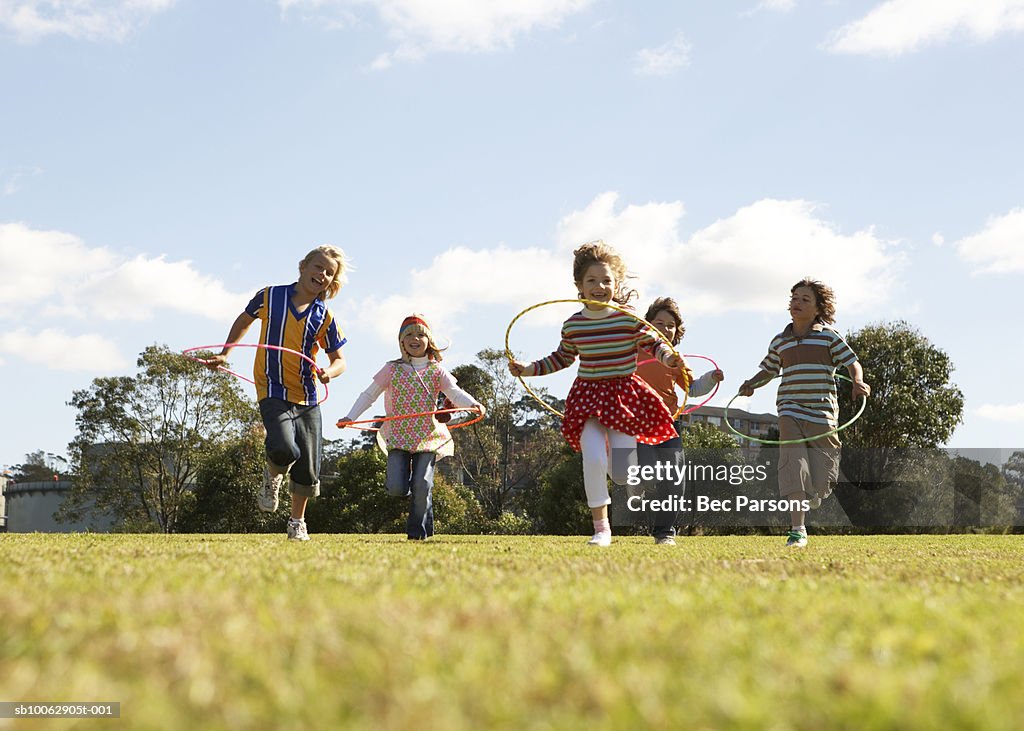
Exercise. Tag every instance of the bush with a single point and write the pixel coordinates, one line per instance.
(510, 524)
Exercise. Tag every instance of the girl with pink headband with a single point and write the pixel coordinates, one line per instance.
(411, 385)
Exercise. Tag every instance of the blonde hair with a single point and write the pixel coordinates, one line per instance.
(416, 324)
(340, 275)
(598, 252)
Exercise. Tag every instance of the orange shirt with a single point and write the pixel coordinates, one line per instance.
(662, 378)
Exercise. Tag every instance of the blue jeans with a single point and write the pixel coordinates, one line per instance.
(663, 522)
(412, 474)
(294, 433)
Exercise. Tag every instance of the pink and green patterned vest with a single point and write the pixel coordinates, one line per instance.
(411, 393)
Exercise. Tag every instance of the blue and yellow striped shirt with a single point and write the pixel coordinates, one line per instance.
(282, 375)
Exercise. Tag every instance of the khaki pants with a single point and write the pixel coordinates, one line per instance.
(809, 467)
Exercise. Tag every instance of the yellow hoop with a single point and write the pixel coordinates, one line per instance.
(624, 310)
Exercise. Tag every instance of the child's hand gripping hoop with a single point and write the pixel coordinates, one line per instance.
(683, 410)
(725, 417)
(204, 361)
(624, 310)
(362, 423)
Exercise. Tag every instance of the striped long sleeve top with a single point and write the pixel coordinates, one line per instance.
(606, 346)
(808, 366)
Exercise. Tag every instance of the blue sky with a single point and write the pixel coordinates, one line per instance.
(163, 159)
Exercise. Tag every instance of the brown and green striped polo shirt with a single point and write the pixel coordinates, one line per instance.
(808, 366)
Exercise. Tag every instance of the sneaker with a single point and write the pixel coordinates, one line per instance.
(814, 502)
(297, 530)
(604, 538)
(267, 498)
(796, 539)
(666, 541)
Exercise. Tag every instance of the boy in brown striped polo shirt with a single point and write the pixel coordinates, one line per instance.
(807, 354)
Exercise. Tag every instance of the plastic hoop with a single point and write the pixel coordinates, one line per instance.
(624, 310)
(265, 346)
(725, 417)
(682, 410)
(342, 424)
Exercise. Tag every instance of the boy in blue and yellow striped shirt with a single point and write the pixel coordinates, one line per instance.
(294, 316)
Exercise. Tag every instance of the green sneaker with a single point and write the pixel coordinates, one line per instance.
(796, 539)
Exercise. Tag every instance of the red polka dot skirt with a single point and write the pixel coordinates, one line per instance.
(626, 404)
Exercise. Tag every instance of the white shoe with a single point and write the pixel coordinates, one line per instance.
(297, 530)
(796, 539)
(666, 541)
(604, 538)
(267, 497)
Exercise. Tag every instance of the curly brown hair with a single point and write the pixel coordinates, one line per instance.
(824, 298)
(598, 252)
(669, 305)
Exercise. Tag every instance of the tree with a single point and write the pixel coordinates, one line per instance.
(142, 439)
(913, 403)
(558, 504)
(227, 482)
(353, 498)
(914, 407)
(504, 455)
(39, 466)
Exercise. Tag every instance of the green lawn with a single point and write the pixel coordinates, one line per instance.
(470, 632)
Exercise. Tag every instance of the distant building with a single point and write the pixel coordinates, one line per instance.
(4, 479)
(31, 507)
(755, 425)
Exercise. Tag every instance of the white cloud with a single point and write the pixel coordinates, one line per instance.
(938, 239)
(135, 288)
(420, 27)
(461, 278)
(750, 260)
(59, 351)
(777, 6)
(10, 183)
(91, 20)
(746, 262)
(39, 265)
(55, 273)
(1002, 412)
(900, 26)
(997, 249)
(665, 59)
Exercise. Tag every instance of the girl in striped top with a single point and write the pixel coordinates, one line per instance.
(608, 407)
(807, 354)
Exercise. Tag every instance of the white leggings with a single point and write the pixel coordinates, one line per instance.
(595, 442)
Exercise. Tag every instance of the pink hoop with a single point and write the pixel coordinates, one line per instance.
(265, 346)
(711, 395)
(358, 423)
(691, 409)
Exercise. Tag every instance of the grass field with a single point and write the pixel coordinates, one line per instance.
(471, 632)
